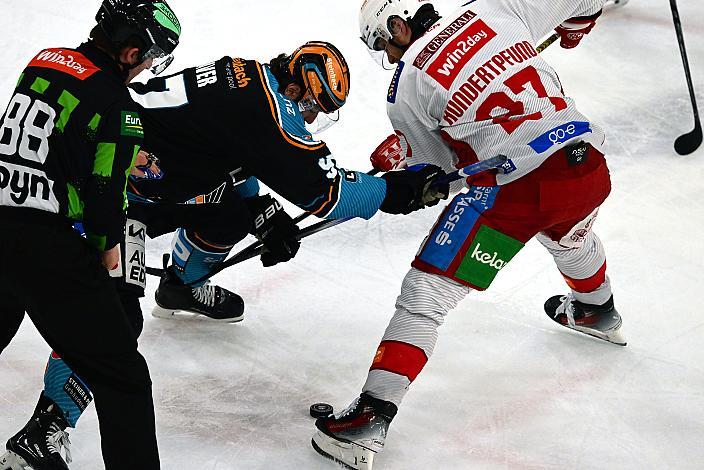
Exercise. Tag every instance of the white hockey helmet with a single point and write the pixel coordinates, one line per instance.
(375, 15)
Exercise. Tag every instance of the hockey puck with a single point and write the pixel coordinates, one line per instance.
(320, 410)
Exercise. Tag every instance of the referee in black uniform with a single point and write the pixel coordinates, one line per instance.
(68, 140)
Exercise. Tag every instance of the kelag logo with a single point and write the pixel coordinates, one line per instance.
(560, 135)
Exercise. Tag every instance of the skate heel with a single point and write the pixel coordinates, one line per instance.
(347, 454)
(11, 461)
(161, 312)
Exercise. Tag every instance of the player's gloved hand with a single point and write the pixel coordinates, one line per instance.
(274, 228)
(573, 30)
(388, 155)
(146, 166)
(413, 189)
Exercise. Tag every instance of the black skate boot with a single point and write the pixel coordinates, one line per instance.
(213, 302)
(38, 445)
(600, 321)
(353, 436)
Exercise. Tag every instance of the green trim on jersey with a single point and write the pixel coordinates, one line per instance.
(95, 122)
(104, 159)
(75, 205)
(69, 103)
(40, 85)
(19, 80)
(97, 241)
(93, 125)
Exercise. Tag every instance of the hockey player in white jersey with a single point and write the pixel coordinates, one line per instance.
(467, 87)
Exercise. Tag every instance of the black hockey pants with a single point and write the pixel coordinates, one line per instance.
(49, 271)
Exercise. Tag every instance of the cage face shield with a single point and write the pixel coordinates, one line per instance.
(322, 120)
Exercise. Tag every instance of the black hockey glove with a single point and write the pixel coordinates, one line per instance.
(413, 189)
(274, 228)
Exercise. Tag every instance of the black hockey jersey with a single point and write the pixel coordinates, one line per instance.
(68, 139)
(227, 116)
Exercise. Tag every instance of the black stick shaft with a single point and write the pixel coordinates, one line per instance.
(685, 60)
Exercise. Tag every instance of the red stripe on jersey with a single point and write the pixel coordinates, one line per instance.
(467, 156)
(399, 358)
(589, 284)
(67, 61)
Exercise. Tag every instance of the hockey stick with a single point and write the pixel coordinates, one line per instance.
(547, 43)
(686, 143)
(245, 252)
(469, 170)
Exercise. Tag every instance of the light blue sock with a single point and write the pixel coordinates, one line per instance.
(66, 389)
(192, 262)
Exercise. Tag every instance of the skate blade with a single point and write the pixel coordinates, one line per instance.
(12, 461)
(613, 337)
(184, 315)
(347, 454)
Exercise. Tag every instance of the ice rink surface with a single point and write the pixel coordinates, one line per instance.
(506, 387)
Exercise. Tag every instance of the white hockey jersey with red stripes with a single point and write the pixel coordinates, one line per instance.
(474, 87)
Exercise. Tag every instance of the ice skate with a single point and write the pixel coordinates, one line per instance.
(39, 445)
(599, 321)
(353, 436)
(178, 301)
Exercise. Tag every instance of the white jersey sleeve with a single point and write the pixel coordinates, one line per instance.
(474, 87)
(542, 17)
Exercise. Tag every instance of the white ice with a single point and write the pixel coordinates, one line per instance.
(506, 388)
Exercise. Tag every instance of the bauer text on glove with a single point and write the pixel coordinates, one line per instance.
(274, 228)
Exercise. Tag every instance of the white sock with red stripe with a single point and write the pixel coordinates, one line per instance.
(410, 338)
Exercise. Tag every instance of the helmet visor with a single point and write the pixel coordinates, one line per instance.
(160, 59)
(323, 122)
(308, 103)
(376, 40)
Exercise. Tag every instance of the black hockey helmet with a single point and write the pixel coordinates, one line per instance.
(151, 21)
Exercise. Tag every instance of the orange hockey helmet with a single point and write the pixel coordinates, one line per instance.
(322, 71)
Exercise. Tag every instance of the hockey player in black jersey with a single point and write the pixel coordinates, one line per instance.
(67, 142)
(221, 127)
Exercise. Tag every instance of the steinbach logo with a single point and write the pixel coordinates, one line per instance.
(443, 36)
(457, 53)
(240, 75)
(71, 62)
(331, 72)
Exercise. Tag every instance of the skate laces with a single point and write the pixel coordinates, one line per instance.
(348, 411)
(567, 308)
(206, 294)
(56, 438)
